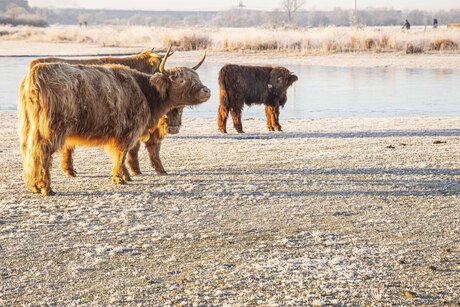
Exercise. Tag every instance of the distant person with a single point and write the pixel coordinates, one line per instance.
(80, 24)
(406, 25)
(86, 24)
(435, 23)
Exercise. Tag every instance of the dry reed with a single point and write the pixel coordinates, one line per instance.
(302, 41)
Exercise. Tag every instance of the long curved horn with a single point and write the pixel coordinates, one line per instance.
(201, 61)
(163, 61)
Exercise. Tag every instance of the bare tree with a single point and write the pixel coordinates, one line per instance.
(291, 7)
(14, 11)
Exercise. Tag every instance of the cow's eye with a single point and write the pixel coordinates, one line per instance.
(181, 81)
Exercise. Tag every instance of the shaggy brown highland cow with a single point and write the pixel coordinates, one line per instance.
(249, 85)
(146, 62)
(111, 106)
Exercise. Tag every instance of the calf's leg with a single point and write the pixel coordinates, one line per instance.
(236, 116)
(270, 118)
(222, 116)
(276, 117)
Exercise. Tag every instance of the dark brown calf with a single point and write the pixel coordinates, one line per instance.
(249, 85)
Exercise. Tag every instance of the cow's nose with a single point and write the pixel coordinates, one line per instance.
(206, 91)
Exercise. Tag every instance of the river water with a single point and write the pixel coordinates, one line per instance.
(320, 91)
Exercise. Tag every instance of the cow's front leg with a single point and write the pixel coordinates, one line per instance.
(269, 114)
(276, 119)
(236, 116)
(222, 116)
(118, 156)
(153, 149)
(133, 159)
(67, 161)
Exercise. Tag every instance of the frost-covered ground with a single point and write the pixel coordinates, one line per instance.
(331, 211)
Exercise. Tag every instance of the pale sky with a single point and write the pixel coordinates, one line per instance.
(256, 4)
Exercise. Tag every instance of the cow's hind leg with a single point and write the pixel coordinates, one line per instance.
(236, 116)
(67, 161)
(133, 159)
(270, 118)
(222, 116)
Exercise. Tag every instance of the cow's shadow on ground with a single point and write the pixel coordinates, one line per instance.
(333, 182)
(325, 135)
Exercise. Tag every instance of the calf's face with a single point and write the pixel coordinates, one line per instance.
(281, 79)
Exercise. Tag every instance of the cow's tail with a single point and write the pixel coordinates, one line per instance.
(223, 95)
(34, 123)
(223, 98)
(224, 103)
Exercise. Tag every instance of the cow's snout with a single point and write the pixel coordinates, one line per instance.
(206, 92)
(173, 129)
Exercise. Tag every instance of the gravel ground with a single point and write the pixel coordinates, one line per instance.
(331, 211)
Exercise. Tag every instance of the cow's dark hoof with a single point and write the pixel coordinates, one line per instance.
(223, 131)
(48, 192)
(70, 173)
(118, 180)
(34, 189)
(240, 131)
(127, 178)
(271, 129)
(136, 173)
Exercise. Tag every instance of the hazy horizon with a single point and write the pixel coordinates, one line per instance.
(178, 5)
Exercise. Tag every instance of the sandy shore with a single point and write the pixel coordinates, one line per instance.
(441, 60)
(324, 213)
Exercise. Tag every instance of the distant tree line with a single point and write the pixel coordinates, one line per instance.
(240, 17)
(18, 12)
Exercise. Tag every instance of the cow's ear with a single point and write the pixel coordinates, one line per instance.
(161, 82)
(292, 79)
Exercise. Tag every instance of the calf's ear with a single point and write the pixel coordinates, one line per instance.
(161, 82)
(292, 79)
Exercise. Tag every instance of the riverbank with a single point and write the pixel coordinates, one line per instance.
(332, 211)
